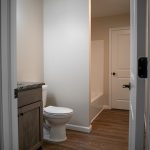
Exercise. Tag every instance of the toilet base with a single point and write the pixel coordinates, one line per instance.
(55, 133)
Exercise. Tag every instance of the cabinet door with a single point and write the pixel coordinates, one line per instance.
(30, 126)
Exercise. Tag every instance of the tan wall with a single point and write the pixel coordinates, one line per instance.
(100, 31)
(30, 40)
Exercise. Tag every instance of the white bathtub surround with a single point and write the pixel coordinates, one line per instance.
(96, 97)
(97, 78)
(106, 107)
(96, 107)
(97, 69)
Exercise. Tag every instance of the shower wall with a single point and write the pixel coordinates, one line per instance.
(97, 77)
(97, 68)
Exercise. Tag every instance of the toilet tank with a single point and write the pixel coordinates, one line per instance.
(44, 94)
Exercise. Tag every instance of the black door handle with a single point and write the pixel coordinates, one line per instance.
(113, 73)
(126, 86)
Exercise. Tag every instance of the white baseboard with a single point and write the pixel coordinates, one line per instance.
(79, 128)
(106, 107)
(83, 128)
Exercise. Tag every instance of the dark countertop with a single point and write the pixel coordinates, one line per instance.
(23, 86)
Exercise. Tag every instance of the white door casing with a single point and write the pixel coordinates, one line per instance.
(136, 115)
(119, 67)
(9, 115)
(137, 92)
(148, 81)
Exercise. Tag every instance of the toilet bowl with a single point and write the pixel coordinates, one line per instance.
(55, 119)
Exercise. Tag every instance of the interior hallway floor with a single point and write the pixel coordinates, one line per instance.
(109, 132)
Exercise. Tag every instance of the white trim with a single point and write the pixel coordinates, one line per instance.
(148, 82)
(110, 54)
(9, 128)
(79, 128)
(1, 116)
(13, 77)
(6, 122)
(137, 93)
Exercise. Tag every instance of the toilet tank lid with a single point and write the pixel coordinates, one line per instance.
(57, 110)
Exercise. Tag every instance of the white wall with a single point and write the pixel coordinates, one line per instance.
(30, 40)
(66, 56)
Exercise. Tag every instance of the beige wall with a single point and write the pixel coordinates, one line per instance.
(30, 40)
(100, 31)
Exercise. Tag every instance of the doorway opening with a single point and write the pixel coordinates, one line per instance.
(106, 63)
(119, 68)
(110, 57)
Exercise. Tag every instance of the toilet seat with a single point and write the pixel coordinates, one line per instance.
(57, 111)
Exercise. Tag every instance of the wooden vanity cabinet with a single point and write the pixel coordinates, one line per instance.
(30, 112)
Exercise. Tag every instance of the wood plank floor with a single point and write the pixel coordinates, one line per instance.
(110, 132)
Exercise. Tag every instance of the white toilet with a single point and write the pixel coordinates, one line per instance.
(55, 119)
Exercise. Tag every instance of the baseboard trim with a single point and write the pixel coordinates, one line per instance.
(106, 107)
(79, 128)
(83, 128)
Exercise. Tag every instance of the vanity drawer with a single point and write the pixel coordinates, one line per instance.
(29, 96)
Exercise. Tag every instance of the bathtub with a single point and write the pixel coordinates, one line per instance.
(96, 106)
(95, 97)
(97, 78)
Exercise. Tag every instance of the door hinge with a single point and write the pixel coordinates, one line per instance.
(142, 67)
(15, 93)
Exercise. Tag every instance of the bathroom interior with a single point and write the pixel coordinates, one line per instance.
(65, 45)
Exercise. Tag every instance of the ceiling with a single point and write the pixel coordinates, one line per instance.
(101, 8)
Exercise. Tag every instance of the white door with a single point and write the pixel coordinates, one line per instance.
(137, 92)
(120, 67)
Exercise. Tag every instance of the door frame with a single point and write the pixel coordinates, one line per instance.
(138, 42)
(148, 81)
(8, 111)
(110, 60)
(8, 107)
